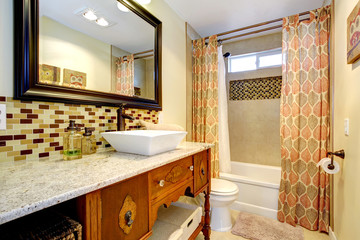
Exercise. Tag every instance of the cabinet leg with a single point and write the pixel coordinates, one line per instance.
(207, 229)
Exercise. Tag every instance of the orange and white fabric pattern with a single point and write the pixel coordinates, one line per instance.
(125, 76)
(205, 123)
(304, 195)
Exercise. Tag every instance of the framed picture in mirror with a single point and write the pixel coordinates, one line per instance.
(49, 74)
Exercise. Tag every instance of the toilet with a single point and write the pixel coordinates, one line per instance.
(223, 193)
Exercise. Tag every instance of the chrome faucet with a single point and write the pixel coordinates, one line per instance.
(121, 117)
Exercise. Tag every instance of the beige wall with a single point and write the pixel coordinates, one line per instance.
(139, 78)
(254, 124)
(347, 105)
(144, 77)
(173, 56)
(64, 47)
(149, 78)
(173, 63)
(255, 44)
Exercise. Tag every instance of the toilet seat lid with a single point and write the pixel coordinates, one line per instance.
(222, 186)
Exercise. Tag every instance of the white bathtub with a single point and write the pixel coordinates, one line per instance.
(258, 188)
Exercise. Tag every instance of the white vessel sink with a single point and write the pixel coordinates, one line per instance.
(144, 142)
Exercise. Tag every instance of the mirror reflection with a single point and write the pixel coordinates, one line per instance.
(94, 45)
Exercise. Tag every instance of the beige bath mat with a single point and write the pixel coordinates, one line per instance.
(256, 227)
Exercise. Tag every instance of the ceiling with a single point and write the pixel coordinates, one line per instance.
(210, 17)
(128, 31)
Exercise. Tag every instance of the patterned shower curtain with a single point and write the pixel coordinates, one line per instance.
(205, 97)
(125, 75)
(304, 195)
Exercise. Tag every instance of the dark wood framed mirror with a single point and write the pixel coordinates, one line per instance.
(27, 65)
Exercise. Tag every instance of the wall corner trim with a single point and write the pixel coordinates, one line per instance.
(332, 234)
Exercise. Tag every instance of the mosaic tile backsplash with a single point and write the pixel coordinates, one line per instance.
(255, 89)
(35, 130)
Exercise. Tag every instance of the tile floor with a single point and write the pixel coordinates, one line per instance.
(308, 235)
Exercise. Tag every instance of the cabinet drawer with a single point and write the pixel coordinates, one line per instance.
(119, 199)
(201, 170)
(168, 177)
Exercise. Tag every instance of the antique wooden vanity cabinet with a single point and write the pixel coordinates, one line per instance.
(128, 210)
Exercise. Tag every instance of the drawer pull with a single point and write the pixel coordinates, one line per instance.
(191, 168)
(202, 171)
(188, 225)
(162, 183)
(128, 219)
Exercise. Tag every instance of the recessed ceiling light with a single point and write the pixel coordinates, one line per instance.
(89, 15)
(122, 7)
(102, 22)
(144, 2)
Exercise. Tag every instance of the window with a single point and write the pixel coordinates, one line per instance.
(254, 61)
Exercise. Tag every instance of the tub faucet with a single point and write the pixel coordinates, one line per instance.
(121, 117)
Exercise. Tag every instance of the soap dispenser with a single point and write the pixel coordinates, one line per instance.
(88, 142)
(72, 143)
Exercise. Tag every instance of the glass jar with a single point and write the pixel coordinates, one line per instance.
(88, 142)
(72, 143)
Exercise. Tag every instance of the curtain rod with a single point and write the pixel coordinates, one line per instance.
(145, 56)
(140, 53)
(147, 51)
(249, 33)
(253, 26)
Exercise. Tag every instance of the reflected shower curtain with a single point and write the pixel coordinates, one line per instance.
(205, 97)
(125, 76)
(304, 195)
(224, 141)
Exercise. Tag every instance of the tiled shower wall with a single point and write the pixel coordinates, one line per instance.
(35, 130)
(254, 120)
(254, 105)
(255, 89)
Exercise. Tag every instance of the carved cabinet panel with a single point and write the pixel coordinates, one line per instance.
(125, 213)
(170, 176)
(201, 170)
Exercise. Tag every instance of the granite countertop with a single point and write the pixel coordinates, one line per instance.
(29, 186)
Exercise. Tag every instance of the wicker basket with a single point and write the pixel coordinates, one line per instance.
(42, 225)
